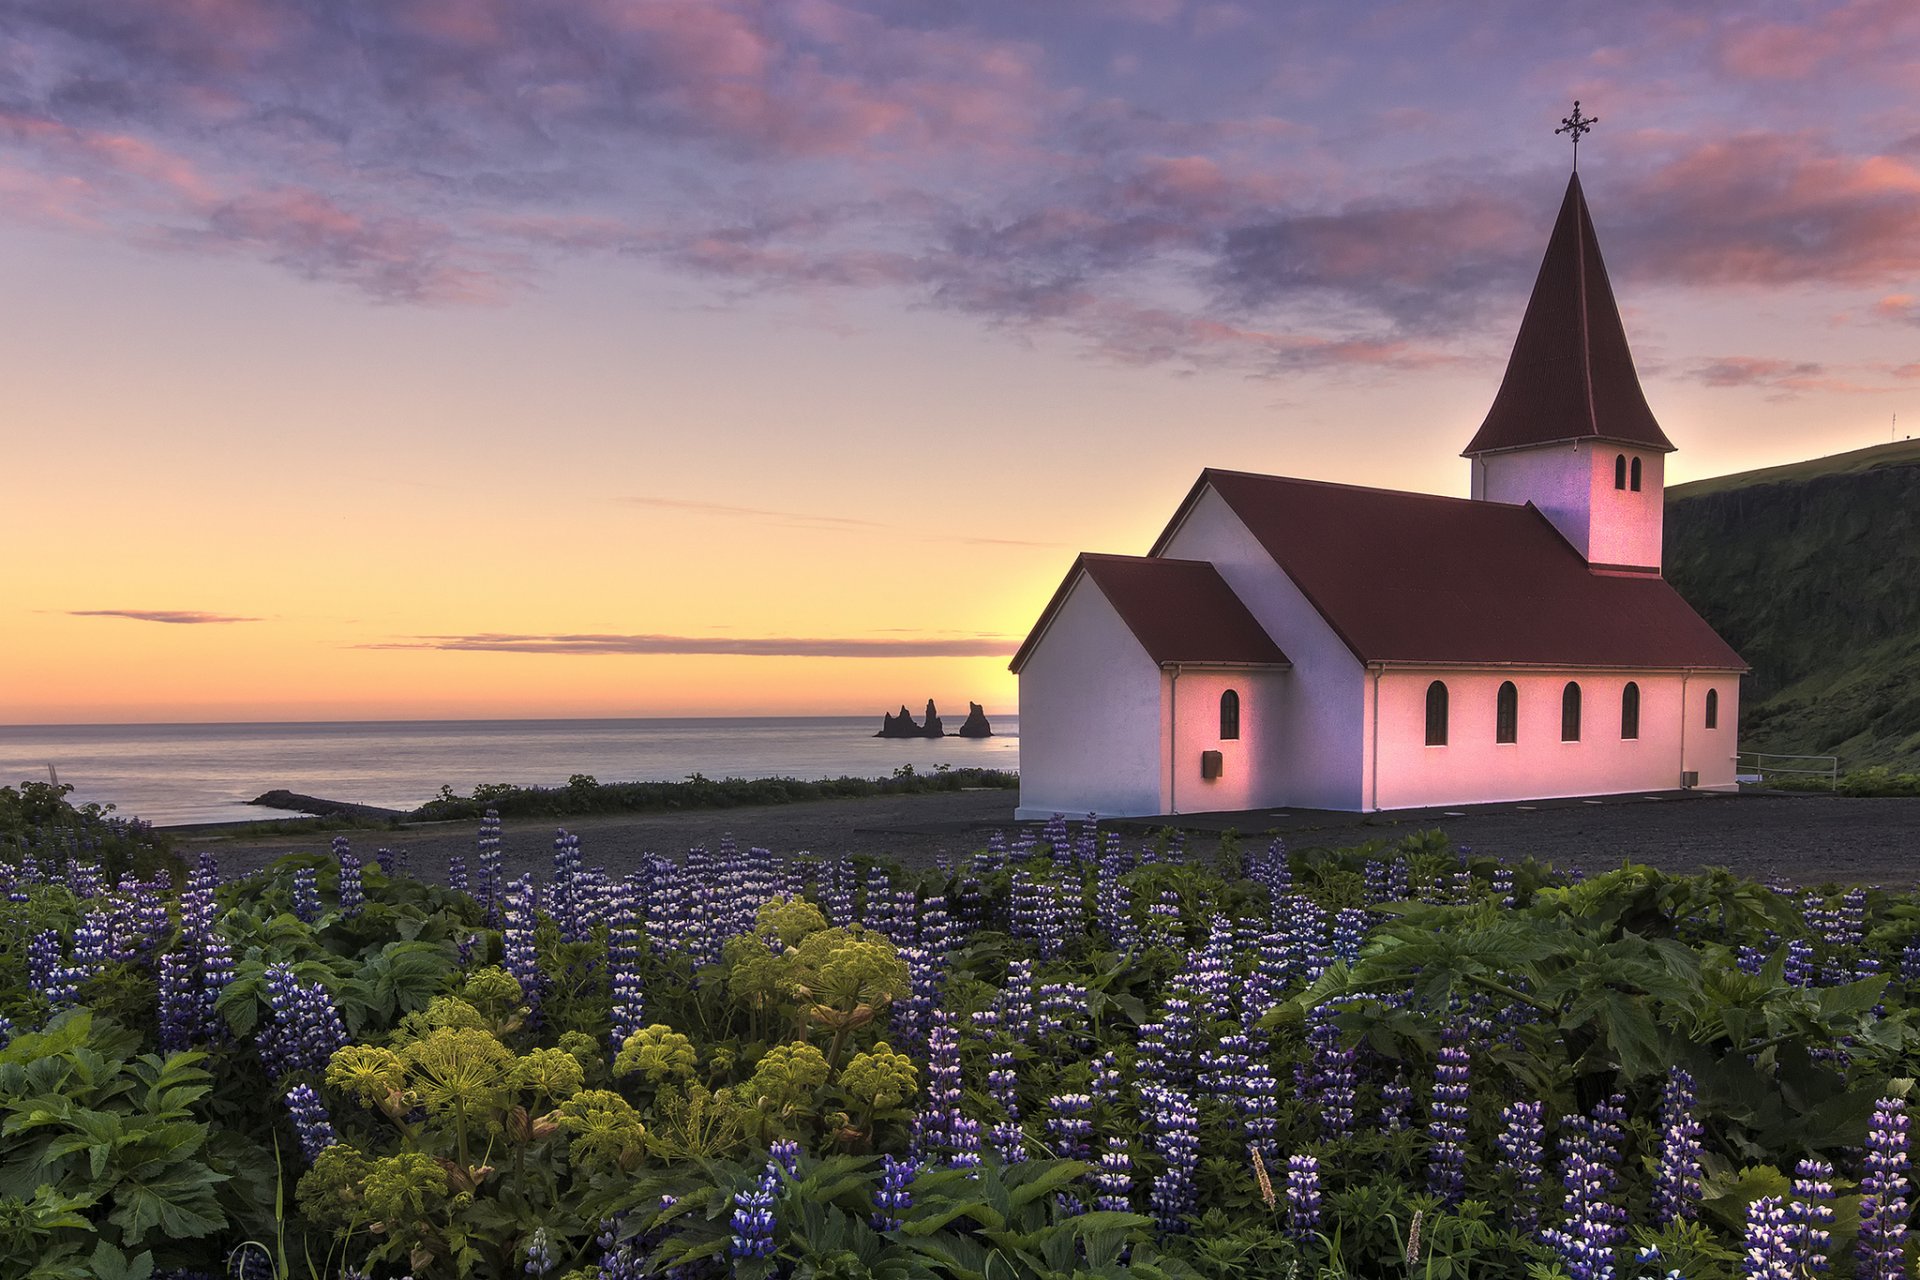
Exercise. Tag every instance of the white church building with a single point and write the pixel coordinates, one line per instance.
(1297, 643)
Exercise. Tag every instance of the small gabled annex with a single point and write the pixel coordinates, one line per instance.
(1293, 642)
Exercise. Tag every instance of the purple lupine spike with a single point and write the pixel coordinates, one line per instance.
(753, 1219)
(1396, 1102)
(1003, 1086)
(1592, 1225)
(518, 952)
(1447, 1120)
(1113, 1179)
(216, 971)
(1810, 1218)
(305, 1029)
(1070, 1125)
(1175, 1126)
(491, 884)
(629, 1008)
(1303, 1197)
(1676, 1184)
(457, 872)
(1522, 1144)
(383, 858)
(310, 1121)
(1327, 1079)
(540, 1260)
(306, 894)
(785, 1152)
(352, 895)
(178, 1001)
(1883, 1194)
(895, 1195)
(1766, 1244)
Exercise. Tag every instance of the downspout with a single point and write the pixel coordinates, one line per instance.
(1374, 771)
(1173, 741)
(1684, 677)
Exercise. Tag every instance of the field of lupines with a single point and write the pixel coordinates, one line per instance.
(1066, 1056)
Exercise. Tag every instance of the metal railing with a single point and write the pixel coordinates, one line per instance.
(1762, 764)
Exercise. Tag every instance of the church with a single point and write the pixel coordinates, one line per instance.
(1297, 643)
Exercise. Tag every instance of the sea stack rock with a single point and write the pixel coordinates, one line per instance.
(900, 726)
(933, 728)
(976, 725)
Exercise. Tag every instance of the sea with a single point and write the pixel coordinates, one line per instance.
(179, 774)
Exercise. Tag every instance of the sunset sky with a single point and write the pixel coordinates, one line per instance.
(477, 358)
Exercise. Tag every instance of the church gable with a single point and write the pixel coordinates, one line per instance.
(1181, 611)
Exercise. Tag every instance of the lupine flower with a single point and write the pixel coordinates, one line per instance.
(1327, 1078)
(1522, 1143)
(1810, 1217)
(1303, 1197)
(491, 881)
(457, 872)
(895, 1195)
(1175, 1126)
(306, 894)
(753, 1219)
(517, 941)
(1676, 1183)
(1592, 1226)
(1396, 1102)
(1447, 1121)
(786, 1154)
(623, 974)
(310, 1121)
(1766, 1245)
(179, 1001)
(305, 1029)
(352, 896)
(1113, 1180)
(1003, 1087)
(539, 1255)
(1883, 1194)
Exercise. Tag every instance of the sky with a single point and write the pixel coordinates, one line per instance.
(487, 358)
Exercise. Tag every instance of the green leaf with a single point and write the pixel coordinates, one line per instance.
(181, 1204)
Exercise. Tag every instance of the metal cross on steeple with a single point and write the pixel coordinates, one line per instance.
(1577, 124)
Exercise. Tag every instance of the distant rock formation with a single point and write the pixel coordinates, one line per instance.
(294, 802)
(904, 726)
(976, 725)
(900, 726)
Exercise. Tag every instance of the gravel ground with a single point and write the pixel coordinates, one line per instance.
(1800, 838)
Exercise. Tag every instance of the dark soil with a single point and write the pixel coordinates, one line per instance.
(1798, 838)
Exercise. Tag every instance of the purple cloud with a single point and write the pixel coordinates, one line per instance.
(179, 616)
(769, 647)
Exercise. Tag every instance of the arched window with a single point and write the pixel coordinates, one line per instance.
(1713, 708)
(1630, 711)
(1506, 714)
(1570, 713)
(1437, 714)
(1634, 482)
(1620, 471)
(1229, 716)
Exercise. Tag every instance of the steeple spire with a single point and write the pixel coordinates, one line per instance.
(1571, 375)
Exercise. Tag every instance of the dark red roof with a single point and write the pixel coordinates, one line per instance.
(1571, 376)
(1179, 610)
(1407, 577)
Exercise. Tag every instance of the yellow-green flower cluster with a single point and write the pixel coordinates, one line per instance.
(659, 1053)
(881, 1079)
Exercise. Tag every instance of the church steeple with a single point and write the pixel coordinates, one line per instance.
(1570, 431)
(1571, 375)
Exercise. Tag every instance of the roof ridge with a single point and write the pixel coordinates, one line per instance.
(1365, 488)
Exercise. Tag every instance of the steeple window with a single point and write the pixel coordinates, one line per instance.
(1437, 714)
(1620, 471)
(1634, 482)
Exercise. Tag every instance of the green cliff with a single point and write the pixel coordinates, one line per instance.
(1812, 571)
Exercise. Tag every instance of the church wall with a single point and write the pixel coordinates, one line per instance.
(1627, 526)
(1253, 766)
(1321, 725)
(1089, 716)
(1472, 768)
(1558, 479)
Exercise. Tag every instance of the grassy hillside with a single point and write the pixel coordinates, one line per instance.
(1812, 571)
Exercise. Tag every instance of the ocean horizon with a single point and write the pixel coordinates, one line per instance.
(175, 774)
